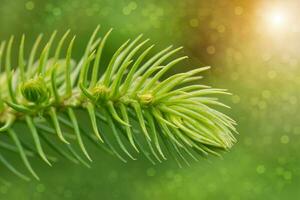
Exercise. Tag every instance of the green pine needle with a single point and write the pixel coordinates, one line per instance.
(144, 113)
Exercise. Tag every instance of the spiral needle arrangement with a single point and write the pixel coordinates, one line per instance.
(47, 100)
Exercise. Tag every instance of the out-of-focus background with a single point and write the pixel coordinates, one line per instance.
(254, 50)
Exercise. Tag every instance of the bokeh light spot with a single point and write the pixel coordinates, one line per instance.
(211, 50)
(132, 5)
(56, 11)
(129, 8)
(194, 22)
(284, 139)
(67, 194)
(151, 172)
(126, 11)
(29, 5)
(287, 175)
(262, 105)
(293, 100)
(260, 169)
(272, 74)
(238, 10)
(266, 94)
(221, 28)
(235, 99)
(40, 188)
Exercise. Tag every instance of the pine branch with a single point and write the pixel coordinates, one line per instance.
(145, 113)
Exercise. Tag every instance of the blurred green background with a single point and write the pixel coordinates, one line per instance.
(253, 48)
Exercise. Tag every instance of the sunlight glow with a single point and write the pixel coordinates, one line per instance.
(277, 19)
